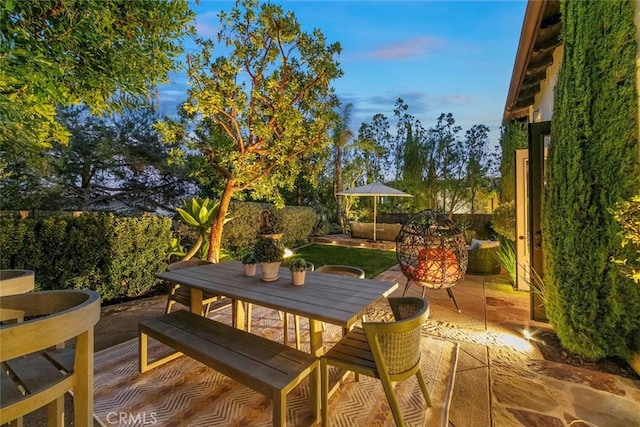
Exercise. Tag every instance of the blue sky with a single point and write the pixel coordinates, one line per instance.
(439, 56)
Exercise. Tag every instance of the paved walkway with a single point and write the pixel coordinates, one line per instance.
(502, 379)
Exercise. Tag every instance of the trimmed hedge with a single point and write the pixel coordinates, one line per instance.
(242, 231)
(592, 164)
(514, 136)
(503, 220)
(115, 256)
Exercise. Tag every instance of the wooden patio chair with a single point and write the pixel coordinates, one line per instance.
(388, 351)
(182, 294)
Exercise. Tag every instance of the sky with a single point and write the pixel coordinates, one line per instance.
(438, 56)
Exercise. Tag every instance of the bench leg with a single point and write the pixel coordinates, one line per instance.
(324, 392)
(143, 354)
(279, 402)
(315, 392)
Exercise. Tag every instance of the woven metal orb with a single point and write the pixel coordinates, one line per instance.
(431, 250)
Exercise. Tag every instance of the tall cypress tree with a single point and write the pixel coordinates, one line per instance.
(592, 164)
(513, 137)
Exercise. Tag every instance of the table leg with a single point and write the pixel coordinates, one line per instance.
(238, 313)
(315, 337)
(196, 302)
(315, 340)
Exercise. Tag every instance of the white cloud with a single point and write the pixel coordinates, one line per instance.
(407, 49)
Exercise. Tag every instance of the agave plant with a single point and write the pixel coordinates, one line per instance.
(199, 214)
(175, 248)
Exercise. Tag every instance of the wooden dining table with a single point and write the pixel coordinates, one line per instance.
(330, 298)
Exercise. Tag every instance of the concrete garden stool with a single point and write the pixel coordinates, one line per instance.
(343, 270)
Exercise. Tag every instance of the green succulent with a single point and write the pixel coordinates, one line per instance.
(199, 214)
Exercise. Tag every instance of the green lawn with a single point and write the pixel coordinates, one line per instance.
(372, 261)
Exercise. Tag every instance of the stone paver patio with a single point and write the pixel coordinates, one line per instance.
(502, 379)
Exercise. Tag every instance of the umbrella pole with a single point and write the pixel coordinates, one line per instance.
(375, 203)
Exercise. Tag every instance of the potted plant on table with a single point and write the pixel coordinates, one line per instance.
(298, 267)
(250, 264)
(269, 253)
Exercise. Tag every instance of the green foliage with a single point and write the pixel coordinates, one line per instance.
(175, 248)
(298, 264)
(268, 250)
(261, 112)
(503, 220)
(464, 225)
(242, 232)
(592, 164)
(372, 261)
(506, 256)
(297, 224)
(627, 215)
(115, 256)
(249, 258)
(65, 52)
(119, 159)
(514, 136)
(199, 214)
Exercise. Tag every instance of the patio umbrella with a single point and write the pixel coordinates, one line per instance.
(374, 190)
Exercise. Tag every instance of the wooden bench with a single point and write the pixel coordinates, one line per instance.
(265, 366)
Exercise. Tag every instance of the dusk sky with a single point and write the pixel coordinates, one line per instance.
(439, 56)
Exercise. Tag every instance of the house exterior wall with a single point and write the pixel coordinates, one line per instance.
(543, 101)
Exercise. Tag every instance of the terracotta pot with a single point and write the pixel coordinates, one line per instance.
(297, 277)
(270, 271)
(250, 269)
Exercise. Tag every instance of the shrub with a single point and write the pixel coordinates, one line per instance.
(297, 224)
(298, 264)
(514, 136)
(242, 230)
(627, 214)
(592, 164)
(115, 256)
(249, 258)
(268, 250)
(503, 220)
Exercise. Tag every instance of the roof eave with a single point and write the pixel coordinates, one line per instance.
(532, 18)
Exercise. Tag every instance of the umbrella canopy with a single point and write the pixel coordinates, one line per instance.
(375, 189)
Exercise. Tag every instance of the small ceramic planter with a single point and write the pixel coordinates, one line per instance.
(250, 269)
(297, 277)
(270, 271)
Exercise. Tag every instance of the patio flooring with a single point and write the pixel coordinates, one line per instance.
(501, 378)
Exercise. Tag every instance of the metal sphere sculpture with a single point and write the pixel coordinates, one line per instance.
(432, 252)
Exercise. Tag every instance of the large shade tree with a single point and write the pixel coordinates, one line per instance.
(65, 52)
(268, 102)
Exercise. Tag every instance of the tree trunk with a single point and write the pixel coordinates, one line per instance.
(339, 187)
(215, 240)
